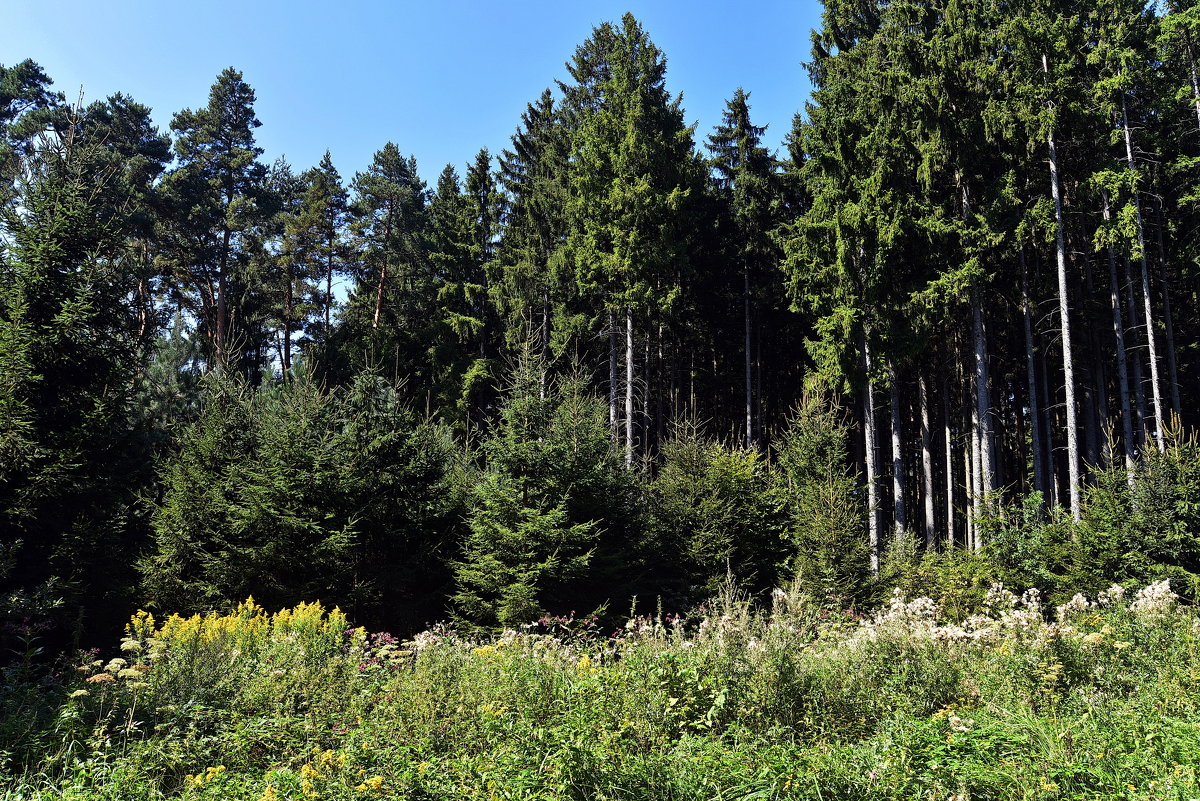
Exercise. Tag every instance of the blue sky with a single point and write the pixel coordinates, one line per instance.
(441, 79)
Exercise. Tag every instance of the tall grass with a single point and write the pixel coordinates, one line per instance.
(1095, 699)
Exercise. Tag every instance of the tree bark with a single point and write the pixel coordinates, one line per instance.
(629, 375)
(1155, 386)
(746, 348)
(926, 465)
(288, 312)
(1127, 442)
(383, 266)
(869, 448)
(899, 479)
(612, 375)
(949, 468)
(1065, 324)
(1187, 41)
(1163, 278)
(983, 403)
(1035, 418)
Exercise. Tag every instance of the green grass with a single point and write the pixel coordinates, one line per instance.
(737, 705)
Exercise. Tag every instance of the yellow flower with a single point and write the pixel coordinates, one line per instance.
(373, 784)
(269, 794)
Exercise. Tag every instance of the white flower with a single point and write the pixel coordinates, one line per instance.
(1113, 595)
(1074, 606)
(1154, 600)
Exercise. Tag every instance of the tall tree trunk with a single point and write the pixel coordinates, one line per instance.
(983, 404)
(949, 467)
(1155, 386)
(1065, 323)
(1128, 443)
(1035, 418)
(1187, 41)
(383, 269)
(222, 303)
(975, 469)
(288, 312)
(329, 283)
(869, 447)
(1134, 347)
(612, 375)
(660, 411)
(926, 465)
(1048, 425)
(746, 348)
(899, 482)
(1164, 279)
(545, 323)
(629, 375)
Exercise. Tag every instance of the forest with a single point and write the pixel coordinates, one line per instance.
(622, 370)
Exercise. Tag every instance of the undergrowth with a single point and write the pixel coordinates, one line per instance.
(1094, 699)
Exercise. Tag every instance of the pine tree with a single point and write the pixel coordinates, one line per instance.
(212, 199)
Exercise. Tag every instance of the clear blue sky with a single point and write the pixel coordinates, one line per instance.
(440, 79)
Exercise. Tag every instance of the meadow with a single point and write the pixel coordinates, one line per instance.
(1093, 699)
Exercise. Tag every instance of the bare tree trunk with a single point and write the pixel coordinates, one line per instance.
(1065, 323)
(1048, 426)
(899, 479)
(612, 375)
(983, 403)
(222, 304)
(329, 283)
(1187, 41)
(746, 348)
(926, 465)
(629, 375)
(1163, 277)
(387, 240)
(1128, 442)
(1155, 387)
(869, 447)
(1035, 419)
(971, 471)
(658, 418)
(288, 311)
(949, 467)
(975, 499)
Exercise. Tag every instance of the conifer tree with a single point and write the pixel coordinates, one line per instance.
(747, 177)
(212, 199)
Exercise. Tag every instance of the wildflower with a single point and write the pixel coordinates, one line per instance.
(1094, 638)
(269, 794)
(79, 694)
(373, 784)
(958, 724)
(131, 645)
(1154, 600)
(1112, 595)
(115, 664)
(100, 678)
(1074, 606)
(129, 673)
